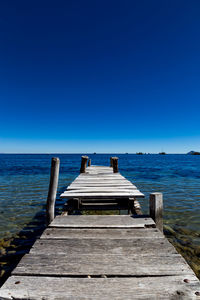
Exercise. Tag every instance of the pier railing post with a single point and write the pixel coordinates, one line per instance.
(89, 162)
(83, 164)
(115, 164)
(53, 184)
(156, 209)
(111, 162)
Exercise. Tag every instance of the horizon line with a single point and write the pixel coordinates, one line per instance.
(95, 153)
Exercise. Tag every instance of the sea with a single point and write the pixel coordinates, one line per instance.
(24, 181)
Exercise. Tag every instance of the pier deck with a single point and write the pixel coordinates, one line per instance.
(102, 256)
(100, 182)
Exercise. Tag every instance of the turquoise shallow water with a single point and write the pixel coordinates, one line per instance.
(24, 183)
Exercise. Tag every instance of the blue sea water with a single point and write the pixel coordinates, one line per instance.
(24, 180)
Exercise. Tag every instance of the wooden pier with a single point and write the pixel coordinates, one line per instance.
(81, 257)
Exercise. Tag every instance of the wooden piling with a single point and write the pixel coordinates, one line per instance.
(111, 162)
(53, 184)
(89, 162)
(83, 164)
(134, 206)
(115, 164)
(156, 209)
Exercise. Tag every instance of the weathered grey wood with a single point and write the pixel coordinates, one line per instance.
(81, 194)
(102, 221)
(127, 246)
(156, 209)
(111, 162)
(100, 190)
(89, 162)
(99, 167)
(83, 164)
(161, 264)
(88, 178)
(134, 206)
(115, 164)
(99, 176)
(137, 208)
(142, 288)
(81, 233)
(102, 182)
(53, 184)
(95, 171)
(110, 181)
(94, 184)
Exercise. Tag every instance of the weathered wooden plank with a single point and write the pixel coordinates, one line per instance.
(101, 190)
(101, 221)
(99, 171)
(119, 182)
(102, 182)
(110, 182)
(96, 167)
(98, 264)
(169, 287)
(80, 194)
(51, 288)
(100, 178)
(131, 246)
(101, 185)
(97, 175)
(100, 174)
(66, 233)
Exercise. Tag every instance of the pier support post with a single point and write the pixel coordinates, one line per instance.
(115, 164)
(53, 184)
(89, 162)
(134, 206)
(83, 164)
(156, 209)
(111, 162)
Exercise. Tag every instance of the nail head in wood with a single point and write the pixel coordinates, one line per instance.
(115, 164)
(83, 164)
(53, 184)
(156, 209)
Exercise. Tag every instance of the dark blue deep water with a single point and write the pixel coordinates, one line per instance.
(24, 180)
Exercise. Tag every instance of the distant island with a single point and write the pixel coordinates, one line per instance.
(139, 153)
(193, 153)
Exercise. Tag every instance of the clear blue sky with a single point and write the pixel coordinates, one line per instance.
(104, 76)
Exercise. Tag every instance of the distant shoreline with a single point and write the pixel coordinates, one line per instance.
(100, 153)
